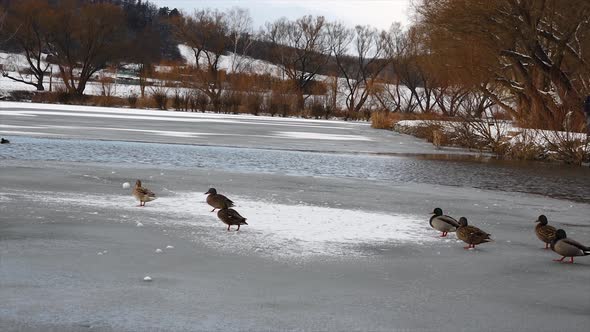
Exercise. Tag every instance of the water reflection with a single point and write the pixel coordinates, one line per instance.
(560, 181)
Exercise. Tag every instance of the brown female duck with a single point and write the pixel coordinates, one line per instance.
(217, 201)
(544, 232)
(567, 247)
(471, 235)
(142, 194)
(231, 217)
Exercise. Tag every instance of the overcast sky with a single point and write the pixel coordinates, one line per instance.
(378, 13)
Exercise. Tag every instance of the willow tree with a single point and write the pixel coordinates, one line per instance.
(532, 50)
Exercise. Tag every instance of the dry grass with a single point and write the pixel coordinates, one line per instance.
(132, 100)
(384, 120)
(160, 97)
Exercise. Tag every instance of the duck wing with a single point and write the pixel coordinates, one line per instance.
(235, 216)
(231, 217)
(449, 220)
(577, 244)
(227, 200)
(476, 234)
(446, 219)
(546, 232)
(145, 192)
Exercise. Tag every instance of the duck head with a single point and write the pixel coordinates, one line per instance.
(560, 234)
(437, 212)
(463, 221)
(542, 219)
(211, 191)
(138, 183)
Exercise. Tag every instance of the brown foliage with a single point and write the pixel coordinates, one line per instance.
(384, 120)
(531, 51)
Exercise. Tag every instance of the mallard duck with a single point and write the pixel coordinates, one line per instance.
(217, 201)
(443, 223)
(142, 194)
(544, 232)
(567, 247)
(4, 141)
(231, 217)
(471, 235)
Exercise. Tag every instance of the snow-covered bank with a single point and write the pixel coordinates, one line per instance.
(502, 137)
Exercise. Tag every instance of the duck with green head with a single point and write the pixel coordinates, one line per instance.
(566, 247)
(217, 201)
(471, 234)
(230, 217)
(443, 223)
(543, 231)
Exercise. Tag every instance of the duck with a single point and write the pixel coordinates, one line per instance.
(566, 247)
(4, 141)
(471, 234)
(230, 217)
(543, 231)
(142, 194)
(217, 201)
(443, 223)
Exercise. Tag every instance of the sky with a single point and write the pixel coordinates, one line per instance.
(377, 13)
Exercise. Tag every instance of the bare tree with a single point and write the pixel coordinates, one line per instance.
(83, 40)
(301, 48)
(28, 24)
(361, 68)
(240, 33)
(205, 32)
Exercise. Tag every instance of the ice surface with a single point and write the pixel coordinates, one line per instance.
(321, 136)
(276, 230)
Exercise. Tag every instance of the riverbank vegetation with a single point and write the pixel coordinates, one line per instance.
(503, 76)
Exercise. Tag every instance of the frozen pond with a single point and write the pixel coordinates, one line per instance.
(552, 180)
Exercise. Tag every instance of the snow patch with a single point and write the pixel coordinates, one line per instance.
(274, 230)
